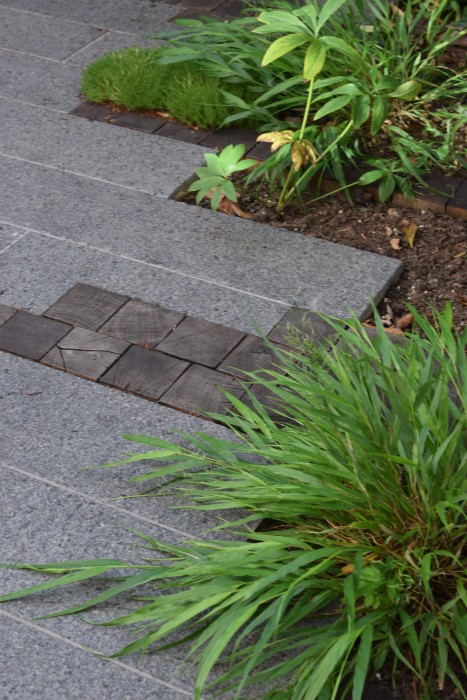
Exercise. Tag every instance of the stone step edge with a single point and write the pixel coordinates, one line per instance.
(444, 195)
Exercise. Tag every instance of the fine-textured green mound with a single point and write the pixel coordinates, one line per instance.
(134, 78)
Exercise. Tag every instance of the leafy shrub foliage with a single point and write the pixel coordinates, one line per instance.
(368, 75)
(364, 474)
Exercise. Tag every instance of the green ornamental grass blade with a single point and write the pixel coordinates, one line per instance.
(362, 662)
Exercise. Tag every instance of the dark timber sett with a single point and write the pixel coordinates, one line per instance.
(142, 323)
(145, 372)
(148, 350)
(86, 306)
(307, 322)
(201, 341)
(251, 354)
(85, 353)
(30, 336)
(199, 391)
(6, 312)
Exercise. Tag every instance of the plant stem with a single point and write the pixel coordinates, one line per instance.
(307, 110)
(284, 198)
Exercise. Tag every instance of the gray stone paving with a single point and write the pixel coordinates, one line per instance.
(90, 202)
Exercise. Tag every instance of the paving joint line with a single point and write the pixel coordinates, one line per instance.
(33, 104)
(64, 60)
(79, 174)
(35, 55)
(129, 258)
(81, 647)
(19, 238)
(96, 501)
(61, 19)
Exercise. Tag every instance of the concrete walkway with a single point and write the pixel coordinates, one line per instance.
(88, 202)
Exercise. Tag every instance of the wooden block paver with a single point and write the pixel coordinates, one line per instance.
(230, 135)
(250, 355)
(457, 206)
(86, 306)
(94, 111)
(307, 322)
(142, 323)
(434, 198)
(6, 312)
(144, 372)
(85, 353)
(260, 151)
(141, 122)
(30, 336)
(180, 132)
(200, 341)
(198, 391)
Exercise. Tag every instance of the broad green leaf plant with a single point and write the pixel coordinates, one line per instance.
(303, 28)
(360, 561)
(214, 178)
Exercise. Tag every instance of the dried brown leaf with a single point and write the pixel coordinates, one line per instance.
(409, 232)
(404, 321)
(395, 243)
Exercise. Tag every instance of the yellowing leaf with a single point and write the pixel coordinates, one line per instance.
(409, 232)
(277, 138)
(303, 152)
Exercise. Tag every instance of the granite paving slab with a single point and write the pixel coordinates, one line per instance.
(53, 424)
(8, 235)
(38, 81)
(58, 670)
(87, 306)
(6, 312)
(142, 323)
(42, 523)
(201, 341)
(262, 260)
(48, 37)
(199, 391)
(85, 353)
(30, 336)
(144, 372)
(107, 42)
(38, 269)
(120, 15)
(122, 156)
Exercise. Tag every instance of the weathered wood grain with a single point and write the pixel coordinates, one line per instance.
(201, 341)
(251, 354)
(144, 372)
(198, 391)
(85, 353)
(30, 336)
(139, 322)
(6, 312)
(86, 306)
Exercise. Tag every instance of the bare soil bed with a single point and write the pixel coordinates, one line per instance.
(435, 270)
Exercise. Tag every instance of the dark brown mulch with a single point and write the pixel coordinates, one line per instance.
(435, 270)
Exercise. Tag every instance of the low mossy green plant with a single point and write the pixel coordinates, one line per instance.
(134, 79)
(363, 472)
